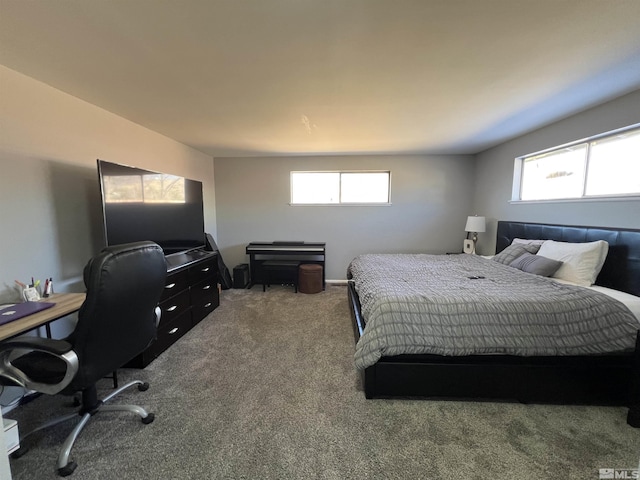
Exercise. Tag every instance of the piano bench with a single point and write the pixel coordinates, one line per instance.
(284, 272)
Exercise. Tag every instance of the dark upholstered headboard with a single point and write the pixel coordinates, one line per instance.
(621, 269)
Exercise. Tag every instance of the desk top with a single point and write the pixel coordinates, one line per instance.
(65, 303)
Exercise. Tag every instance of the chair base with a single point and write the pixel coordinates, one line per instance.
(90, 406)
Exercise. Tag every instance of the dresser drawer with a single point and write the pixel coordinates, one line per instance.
(190, 294)
(175, 306)
(166, 335)
(199, 312)
(204, 299)
(205, 270)
(202, 291)
(176, 282)
(170, 332)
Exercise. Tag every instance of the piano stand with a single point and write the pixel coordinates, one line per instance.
(278, 262)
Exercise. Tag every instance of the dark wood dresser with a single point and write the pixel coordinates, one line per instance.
(190, 294)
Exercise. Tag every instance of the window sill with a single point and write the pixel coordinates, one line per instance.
(340, 204)
(628, 198)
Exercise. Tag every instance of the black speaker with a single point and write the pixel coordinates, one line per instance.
(241, 276)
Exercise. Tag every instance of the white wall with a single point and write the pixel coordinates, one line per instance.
(431, 198)
(494, 178)
(50, 216)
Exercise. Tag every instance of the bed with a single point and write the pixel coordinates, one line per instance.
(600, 373)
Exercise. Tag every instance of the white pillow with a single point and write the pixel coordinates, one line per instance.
(581, 262)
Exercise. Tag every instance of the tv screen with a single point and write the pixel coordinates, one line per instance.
(140, 205)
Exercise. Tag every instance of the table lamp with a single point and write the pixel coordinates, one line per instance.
(474, 225)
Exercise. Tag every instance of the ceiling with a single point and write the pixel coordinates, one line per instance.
(298, 77)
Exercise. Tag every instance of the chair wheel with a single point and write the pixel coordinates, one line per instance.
(143, 387)
(148, 419)
(67, 469)
(19, 452)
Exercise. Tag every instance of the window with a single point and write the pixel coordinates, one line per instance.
(606, 165)
(331, 188)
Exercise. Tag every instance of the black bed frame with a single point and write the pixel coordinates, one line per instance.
(588, 380)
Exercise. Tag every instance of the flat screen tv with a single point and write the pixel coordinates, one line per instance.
(140, 205)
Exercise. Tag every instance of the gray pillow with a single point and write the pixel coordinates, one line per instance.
(536, 264)
(515, 250)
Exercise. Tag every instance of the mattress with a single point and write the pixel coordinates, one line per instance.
(468, 305)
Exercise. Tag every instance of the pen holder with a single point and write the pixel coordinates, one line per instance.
(31, 294)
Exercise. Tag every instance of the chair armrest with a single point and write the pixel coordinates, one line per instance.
(158, 312)
(61, 349)
(49, 345)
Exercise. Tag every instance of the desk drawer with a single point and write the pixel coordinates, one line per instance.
(176, 282)
(175, 306)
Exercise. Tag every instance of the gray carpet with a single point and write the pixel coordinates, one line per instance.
(265, 388)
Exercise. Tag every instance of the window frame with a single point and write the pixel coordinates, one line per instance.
(340, 203)
(518, 171)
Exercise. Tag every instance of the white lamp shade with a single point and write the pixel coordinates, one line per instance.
(475, 224)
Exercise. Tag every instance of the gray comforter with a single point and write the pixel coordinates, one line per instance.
(428, 304)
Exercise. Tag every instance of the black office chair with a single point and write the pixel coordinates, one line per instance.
(116, 322)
